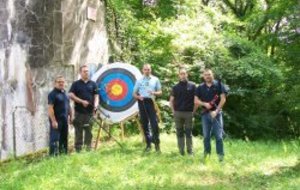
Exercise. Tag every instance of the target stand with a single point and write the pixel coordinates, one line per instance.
(115, 84)
(105, 124)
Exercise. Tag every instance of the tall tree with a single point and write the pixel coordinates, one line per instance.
(240, 7)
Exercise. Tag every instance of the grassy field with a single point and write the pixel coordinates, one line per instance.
(248, 165)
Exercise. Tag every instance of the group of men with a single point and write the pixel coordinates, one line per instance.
(84, 93)
(185, 98)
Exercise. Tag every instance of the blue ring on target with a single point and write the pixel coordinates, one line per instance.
(116, 105)
(128, 96)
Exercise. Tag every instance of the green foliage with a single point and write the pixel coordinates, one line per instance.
(254, 51)
(248, 165)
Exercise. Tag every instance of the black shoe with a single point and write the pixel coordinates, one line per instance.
(181, 152)
(147, 149)
(221, 158)
(191, 153)
(157, 148)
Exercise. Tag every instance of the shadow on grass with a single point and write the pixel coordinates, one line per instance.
(262, 181)
(174, 186)
(137, 149)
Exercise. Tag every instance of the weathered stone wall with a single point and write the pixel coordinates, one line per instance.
(40, 39)
(84, 39)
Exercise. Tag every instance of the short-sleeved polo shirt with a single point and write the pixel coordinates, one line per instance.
(146, 85)
(61, 104)
(208, 93)
(183, 93)
(85, 91)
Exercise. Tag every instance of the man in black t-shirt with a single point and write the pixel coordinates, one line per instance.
(59, 113)
(182, 105)
(85, 95)
(211, 95)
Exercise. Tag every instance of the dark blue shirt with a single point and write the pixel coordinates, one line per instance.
(61, 104)
(183, 93)
(207, 94)
(84, 91)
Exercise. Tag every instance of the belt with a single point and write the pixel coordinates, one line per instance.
(146, 98)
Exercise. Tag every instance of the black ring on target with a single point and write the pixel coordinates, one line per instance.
(115, 89)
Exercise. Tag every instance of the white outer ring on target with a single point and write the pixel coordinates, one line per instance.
(116, 117)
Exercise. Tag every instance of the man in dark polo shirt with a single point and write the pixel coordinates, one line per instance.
(182, 105)
(211, 95)
(85, 95)
(59, 112)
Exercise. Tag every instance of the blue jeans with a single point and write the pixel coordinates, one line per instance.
(213, 126)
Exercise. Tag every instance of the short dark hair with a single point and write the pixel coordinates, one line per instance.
(58, 77)
(81, 67)
(182, 69)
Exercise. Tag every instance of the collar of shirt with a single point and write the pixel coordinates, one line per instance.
(146, 77)
(59, 90)
(183, 82)
(212, 84)
(85, 82)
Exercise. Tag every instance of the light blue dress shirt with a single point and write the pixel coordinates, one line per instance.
(146, 85)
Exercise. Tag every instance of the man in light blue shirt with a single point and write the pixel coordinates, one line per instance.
(145, 91)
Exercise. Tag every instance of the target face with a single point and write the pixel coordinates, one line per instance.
(115, 86)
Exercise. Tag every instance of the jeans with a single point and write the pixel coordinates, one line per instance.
(213, 126)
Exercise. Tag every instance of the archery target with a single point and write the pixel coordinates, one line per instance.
(115, 87)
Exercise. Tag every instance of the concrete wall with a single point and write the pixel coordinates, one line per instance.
(40, 39)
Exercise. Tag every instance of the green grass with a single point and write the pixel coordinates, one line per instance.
(248, 165)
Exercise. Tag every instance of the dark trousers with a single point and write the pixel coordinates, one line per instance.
(148, 115)
(59, 138)
(184, 126)
(83, 131)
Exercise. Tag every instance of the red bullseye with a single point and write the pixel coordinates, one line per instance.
(116, 89)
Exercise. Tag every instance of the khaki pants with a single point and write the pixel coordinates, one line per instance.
(184, 126)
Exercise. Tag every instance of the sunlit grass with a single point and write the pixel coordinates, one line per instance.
(248, 165)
